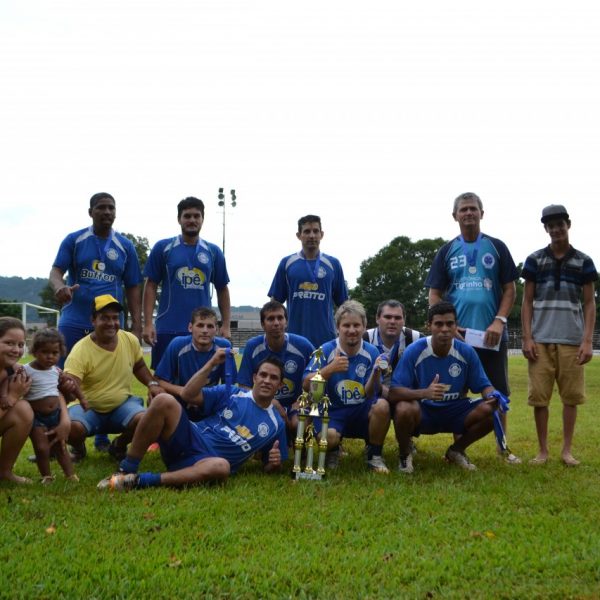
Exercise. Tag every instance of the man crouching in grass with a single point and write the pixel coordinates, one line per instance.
(427, 391)
(238, 424)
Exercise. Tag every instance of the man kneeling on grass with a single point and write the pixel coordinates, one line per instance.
(239, 423)
(427, 391)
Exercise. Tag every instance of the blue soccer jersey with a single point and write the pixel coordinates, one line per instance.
(294, 355)
(345, 389)
(184, 273)
(471, 276)
(311, 289)
(100, 266)
(461, 369)
(182, 360)
(237, 427)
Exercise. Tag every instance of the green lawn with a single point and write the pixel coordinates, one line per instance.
(500, 532)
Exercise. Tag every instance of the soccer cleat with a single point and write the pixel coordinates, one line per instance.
(376, 464)
(405, 464)
(119, 482)
(460, 459)
(47, 479)
(332, 459)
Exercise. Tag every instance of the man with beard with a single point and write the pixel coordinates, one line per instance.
(184, 267)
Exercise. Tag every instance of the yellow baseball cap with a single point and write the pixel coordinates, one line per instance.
(102, 302)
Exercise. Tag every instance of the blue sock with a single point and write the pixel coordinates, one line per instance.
(148, 480)
(129, 465)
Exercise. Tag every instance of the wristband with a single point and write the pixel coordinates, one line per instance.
(501, 318)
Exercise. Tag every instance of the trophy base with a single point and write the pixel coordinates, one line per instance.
(311, 476)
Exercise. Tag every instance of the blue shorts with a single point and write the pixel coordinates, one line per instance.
(115, 421)
(49, 421)
(446, 417)
(351, 421)
(159, 348)
(185, 447)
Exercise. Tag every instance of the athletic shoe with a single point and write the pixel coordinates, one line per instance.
(405, 464)
(332, 459)
(47, 479)
(119, 482)
(117, 452)
(376, 464)
(460, 459)
(78, 452)
(512, 459)
(73, 478)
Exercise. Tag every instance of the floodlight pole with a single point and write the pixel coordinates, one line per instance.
(221, 197)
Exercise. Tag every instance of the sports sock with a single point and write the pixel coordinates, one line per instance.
(148, 479)
(129, 465)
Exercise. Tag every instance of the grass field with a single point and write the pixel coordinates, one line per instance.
(500, 532)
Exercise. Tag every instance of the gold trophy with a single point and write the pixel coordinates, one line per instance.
(313, 403)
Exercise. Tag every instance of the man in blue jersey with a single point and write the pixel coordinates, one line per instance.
(557, 329)
(97, 260)
(184, 267)
(187, 354)
(477, 273)
(351, 367)
(428, 390)
(240, 424)
(311, 283)
(294, 352)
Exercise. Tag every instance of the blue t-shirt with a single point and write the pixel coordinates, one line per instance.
(237, 427)
(294, 355)
(311, 289)
(471, 276)
(345, 389)
(182, 360)
(461, 369)
(100, 266)
(184, 273)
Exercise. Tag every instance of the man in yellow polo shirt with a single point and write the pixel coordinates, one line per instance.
(102, 364)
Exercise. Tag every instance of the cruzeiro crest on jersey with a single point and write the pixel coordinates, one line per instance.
(488, 260)
(190, 278)
(454, 370)
(263, 430)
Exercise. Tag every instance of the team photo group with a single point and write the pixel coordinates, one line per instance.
(208, 412)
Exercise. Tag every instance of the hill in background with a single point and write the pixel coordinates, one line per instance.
(28, 290)
(22, 290)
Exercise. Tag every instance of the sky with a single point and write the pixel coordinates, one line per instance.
(374, 116)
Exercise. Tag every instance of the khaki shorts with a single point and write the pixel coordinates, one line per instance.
(556, 362)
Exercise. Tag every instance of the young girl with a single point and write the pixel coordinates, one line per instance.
(16, 415)
(51, 423)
